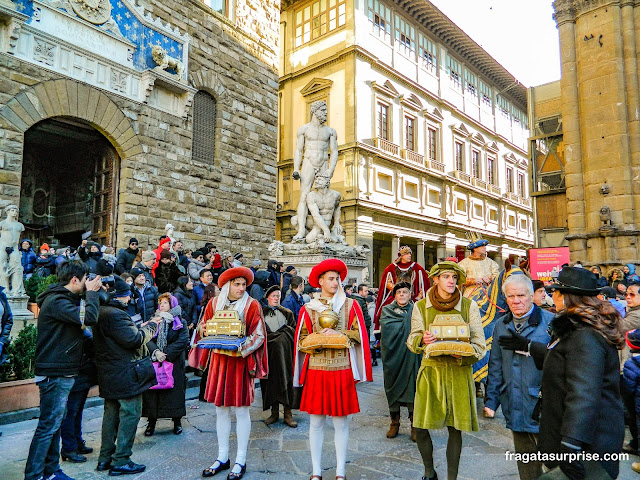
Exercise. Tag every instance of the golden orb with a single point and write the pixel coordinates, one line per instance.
(328, 319)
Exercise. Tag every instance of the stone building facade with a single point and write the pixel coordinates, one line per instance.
(601, 127)
(432, 131)
(118, 117)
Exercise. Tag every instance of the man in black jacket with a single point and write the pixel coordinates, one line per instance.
(127, 256)
(63, 315)
(122, 377)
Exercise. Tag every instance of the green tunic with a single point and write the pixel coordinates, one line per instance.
(445, 393)
(399, 364)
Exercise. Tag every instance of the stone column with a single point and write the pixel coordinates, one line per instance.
(420, 253)
(565, 17)
(395, 246)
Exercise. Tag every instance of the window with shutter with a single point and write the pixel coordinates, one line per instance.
(204, 128)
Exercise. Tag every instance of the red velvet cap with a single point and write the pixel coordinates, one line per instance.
(235, 272)
(328, 265)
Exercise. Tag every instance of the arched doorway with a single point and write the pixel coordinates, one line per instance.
(69, 183)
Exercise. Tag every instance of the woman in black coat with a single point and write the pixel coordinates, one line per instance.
(169, 345)
(581, 405)
(186, 300)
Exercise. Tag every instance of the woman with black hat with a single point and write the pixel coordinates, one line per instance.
(581, 404)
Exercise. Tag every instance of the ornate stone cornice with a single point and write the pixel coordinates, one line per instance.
(568, 10)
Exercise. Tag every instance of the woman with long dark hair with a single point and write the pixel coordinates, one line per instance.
(581, 407)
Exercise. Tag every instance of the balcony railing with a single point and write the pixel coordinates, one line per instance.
(526, 201)
(386, 146)
(494, 189)
(460, 175)
(480, 183)
(435, 165)
(512, 196)
(412, 156)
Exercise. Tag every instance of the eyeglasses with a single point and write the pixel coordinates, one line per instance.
(133, 243)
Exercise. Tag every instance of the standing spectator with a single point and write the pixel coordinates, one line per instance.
(631, 321)
(257, 265)
(127, 257)
(106, 264)
(597, 271)
(610, 295)
(167, 273)
(259, 285)
(629, 271)
(514, 380)
(196, 265)
(28, 258)
(164, 244)
(63, 314)
(216, 262)
(293, 301)
(186, 300)
(582, 409)
(540, 297)
(122, 377)
(274, 272)
(127, 277)
(348, 290)
(146, 265)
(6, 323)
(631, 385)
(90, 257)
(227, 260)
(277, 389)
(73, 445)
(145, 297)
(288, 274)
(168, 344)
(46, 262)
(206, 278)
(64, 255)
(238, 260)
(615, 277)
(361, 298)
(183, 261)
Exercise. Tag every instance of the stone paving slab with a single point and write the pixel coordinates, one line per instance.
(277, 452)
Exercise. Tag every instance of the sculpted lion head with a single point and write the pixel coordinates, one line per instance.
(158, 54)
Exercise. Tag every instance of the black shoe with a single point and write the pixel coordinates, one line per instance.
(102, 466)
(150, 430)
(83, 449)
(74, 457)
(374, 363)
(177, 427)
(435, 477)
(628, 448)
(126, 469)
(237, 476)
(210, 472)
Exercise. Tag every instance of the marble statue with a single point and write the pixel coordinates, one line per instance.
(323, 205)
(166, 62)
(316, 142)
(10, 256)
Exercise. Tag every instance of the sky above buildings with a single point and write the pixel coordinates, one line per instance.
(519, 34)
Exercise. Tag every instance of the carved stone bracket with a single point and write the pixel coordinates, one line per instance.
(180, 95)
(11, 22)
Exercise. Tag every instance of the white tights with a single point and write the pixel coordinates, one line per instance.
(341, 440)
(223, 431)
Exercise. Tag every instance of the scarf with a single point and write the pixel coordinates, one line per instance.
(440, 303)
(334, 303)
(223, 301)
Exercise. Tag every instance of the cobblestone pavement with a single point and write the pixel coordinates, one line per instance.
(281, 453)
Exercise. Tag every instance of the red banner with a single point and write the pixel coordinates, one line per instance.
(545, 263)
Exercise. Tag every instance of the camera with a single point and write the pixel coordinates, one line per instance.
(108, 281)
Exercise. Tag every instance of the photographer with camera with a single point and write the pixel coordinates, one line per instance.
(63, 316)
(125, 371)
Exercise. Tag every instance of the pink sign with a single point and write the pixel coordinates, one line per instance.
(545, 263)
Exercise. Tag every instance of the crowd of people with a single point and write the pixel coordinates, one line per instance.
(134, 323)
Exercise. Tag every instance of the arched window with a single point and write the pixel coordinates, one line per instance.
(204, 128)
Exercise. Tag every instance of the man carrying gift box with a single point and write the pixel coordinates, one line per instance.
(232, 373)
(445, 394)
(331, 356)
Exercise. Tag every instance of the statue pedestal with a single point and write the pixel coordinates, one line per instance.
(305, 256)
(21, 315)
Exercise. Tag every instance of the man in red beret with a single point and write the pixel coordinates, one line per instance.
(329, 375)
(232, 374)
(402, 269)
